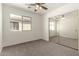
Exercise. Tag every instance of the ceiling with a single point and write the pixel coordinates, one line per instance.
(50, 6)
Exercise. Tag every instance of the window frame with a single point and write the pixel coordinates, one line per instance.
(22, 23)
(30, 21)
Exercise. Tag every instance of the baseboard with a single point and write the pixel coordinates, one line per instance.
(21, 43)
(46, 40)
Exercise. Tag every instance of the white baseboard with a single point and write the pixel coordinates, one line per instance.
(9, 44)
(46, 40)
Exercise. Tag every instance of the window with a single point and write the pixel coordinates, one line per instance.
(52, 25)
(14, 25)
(26, 23)
(20, 23)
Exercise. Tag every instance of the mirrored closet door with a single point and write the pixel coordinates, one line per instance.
(63, 29)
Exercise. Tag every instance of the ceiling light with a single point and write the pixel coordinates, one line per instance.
(40, 7)
(36, 7)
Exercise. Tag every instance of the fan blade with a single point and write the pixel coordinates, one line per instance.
(32, 4)
(39, 3)
(42, 3)
(44, 7)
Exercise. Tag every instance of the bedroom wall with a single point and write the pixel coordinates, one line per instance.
(12, 38)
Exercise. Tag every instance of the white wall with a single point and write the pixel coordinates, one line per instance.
(45, 28)
(11, 38)
(59, 11)
(0, 27)
(68, 26)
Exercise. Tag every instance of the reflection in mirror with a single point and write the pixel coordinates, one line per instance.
(63, 30)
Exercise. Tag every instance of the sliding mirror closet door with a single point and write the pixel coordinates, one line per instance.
(68, 30)
(63, 30)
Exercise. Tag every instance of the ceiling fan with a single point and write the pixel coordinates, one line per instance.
(37, 6)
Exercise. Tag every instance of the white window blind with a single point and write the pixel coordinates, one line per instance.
(20, 23)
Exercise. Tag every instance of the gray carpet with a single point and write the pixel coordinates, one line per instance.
(38, 48)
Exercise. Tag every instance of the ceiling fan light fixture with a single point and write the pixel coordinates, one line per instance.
(38, 7)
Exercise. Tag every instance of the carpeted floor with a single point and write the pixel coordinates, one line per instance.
(38, 48)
